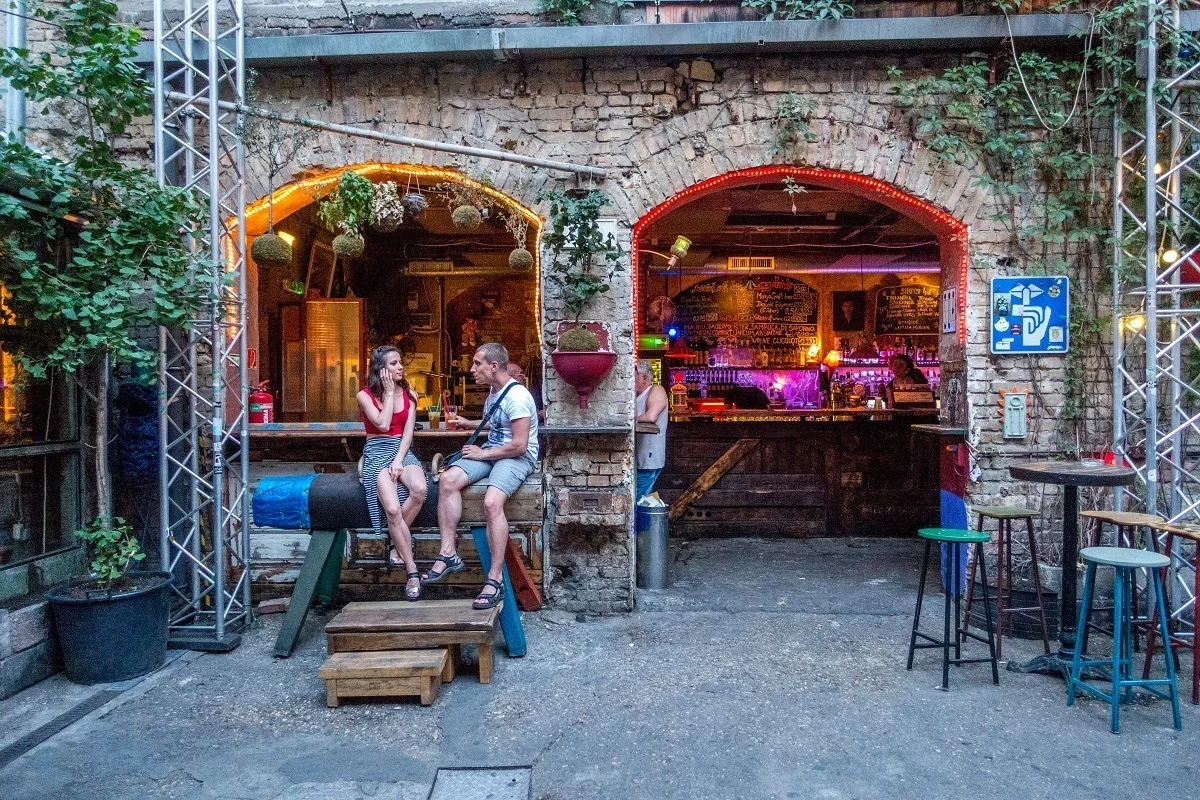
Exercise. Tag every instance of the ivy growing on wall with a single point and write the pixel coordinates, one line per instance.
(1038, 131)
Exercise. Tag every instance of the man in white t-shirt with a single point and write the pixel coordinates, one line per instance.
(502, 464)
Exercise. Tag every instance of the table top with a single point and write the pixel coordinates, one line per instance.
(1072, 473)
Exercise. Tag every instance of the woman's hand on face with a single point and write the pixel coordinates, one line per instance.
(389, 385)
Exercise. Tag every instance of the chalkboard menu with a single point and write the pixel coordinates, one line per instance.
(912, 309)
(758, 311)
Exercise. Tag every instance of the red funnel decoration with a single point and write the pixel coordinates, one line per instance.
(584, 371)
(680, 350)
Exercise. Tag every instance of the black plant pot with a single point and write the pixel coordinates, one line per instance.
(106, 638)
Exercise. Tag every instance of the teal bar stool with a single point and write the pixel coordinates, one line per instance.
(1124, 560)
(954, 589)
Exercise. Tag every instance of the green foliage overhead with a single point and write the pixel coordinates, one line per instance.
(578, 246)
(130, 264)
(802, 9)
(348, 209)
(570, 12)
(114, 549)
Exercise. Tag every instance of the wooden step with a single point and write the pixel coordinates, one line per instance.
(389, 673)
(403, 625)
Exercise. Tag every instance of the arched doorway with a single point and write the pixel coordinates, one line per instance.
(430, 287)
(776, 336)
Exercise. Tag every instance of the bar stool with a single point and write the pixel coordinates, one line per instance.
(1127, 523)
(1004, 602)
(955, 537)
(1125, 560)
(1178, 639)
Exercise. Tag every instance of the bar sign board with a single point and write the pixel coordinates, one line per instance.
(1030, 314)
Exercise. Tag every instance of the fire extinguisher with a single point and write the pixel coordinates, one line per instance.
(262, 405)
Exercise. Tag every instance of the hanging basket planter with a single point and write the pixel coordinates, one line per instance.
(414, 203)
(271, 251)
(387, 225)
(349, 245)
(466, 217)
(520, 259)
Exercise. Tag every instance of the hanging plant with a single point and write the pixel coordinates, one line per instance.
(349, 245)
(468, 199)
(270, 250)
(578, 247)
(518, 226)
(415, 202)
(274, 147)
(387, 210)
(349, 208)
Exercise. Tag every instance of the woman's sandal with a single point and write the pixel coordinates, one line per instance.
(409, 594)
(388, 549)
(486, 601)
(453, 564)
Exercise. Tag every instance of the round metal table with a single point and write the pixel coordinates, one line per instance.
(1070, 475)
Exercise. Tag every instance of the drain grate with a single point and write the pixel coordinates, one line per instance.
(482, 783)
(35, 737)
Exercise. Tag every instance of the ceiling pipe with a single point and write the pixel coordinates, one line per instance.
(595, 173)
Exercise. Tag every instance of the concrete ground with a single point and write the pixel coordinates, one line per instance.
(767, 670)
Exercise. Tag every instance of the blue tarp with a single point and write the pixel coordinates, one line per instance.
(282, 502)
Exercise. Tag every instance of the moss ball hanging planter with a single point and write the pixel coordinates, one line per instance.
(414, 203)
(349, 245)
(520, 259)
(271, 251)
(466, 217)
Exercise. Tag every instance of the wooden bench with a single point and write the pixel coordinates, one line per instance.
(401, 625)
(416, 673)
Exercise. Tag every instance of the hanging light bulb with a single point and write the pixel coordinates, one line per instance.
(678, 250)
(1170, 256)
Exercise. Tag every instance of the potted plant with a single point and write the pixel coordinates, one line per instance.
(92, 615)
(348, 209)
(583, 259)
(107, 255)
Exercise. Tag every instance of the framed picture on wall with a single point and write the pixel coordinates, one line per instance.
(849, 311)
(322, 262)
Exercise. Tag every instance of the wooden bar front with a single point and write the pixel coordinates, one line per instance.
(825, 473)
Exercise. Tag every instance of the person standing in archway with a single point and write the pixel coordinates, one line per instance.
(650, 407)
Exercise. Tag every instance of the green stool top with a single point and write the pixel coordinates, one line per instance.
(1004, 512)
(954, 536)
(1124, 557)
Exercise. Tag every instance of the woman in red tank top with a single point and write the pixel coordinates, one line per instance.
(393, 478)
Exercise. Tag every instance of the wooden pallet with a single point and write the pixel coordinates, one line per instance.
(401, 625)
(389, 673)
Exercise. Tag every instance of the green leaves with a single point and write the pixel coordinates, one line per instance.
(576, 243)
(114, 549)
(791, 123)
(349, 207)
(802, 9)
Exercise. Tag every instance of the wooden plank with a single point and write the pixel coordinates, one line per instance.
(395, 605)
(711, 475)
(509, 618)
(760, 498)
(385, 664)
(417, 617)
(320, 549)
(524, 586)
(417, 640)
(771, 481)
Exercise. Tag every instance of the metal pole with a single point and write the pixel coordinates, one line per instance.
(14, 99)
(1118, 345)
(243, 354)
(1151, 261)
(216, 335)
(424, 144)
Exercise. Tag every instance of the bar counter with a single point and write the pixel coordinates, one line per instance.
(804, 473)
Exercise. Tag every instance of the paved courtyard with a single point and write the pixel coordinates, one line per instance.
(768, 670)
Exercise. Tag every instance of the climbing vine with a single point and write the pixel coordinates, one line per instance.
(1038, 132)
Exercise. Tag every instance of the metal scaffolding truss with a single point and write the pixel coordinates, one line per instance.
(198, 69)
(1156, 285)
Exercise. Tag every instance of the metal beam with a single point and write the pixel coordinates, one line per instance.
(393, 138)
(697, 38)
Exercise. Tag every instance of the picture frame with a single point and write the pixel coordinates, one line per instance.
(849, 311)
(322, 263)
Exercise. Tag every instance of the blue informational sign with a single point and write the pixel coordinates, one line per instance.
(1030, 314)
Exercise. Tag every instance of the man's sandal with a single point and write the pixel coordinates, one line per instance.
(413, 595)
(453, 564)
(486, 601)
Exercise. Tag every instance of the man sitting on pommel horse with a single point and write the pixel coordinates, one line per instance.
(502, 464)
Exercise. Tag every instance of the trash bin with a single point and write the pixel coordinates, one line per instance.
(653, 551)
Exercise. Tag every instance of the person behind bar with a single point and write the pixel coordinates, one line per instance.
(650, 406)
(392, 476)
(502, 465)
(905, 375)
(518, 375)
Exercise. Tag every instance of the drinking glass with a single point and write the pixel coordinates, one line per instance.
(435, 419)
